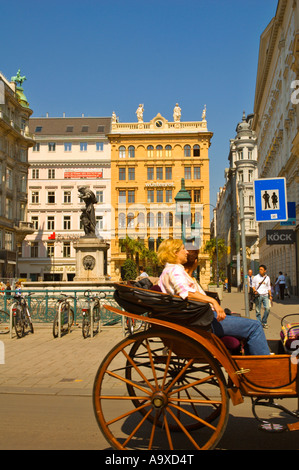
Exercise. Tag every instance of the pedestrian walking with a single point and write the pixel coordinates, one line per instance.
(263, 296)
(288, 285)
(250, 289)
(281, 281)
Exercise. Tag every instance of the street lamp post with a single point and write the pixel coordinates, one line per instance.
(243, 242)
(183, 207)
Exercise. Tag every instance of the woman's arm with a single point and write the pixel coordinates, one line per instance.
(208, 300)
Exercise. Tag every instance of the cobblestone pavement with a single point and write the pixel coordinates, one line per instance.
(40, 364)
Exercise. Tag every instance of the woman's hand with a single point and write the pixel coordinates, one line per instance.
(220, 312)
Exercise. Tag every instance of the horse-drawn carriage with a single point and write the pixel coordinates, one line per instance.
(173, 382)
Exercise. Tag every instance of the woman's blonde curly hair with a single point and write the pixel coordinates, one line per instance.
(167, 251)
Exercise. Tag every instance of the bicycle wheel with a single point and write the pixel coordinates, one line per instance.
(86, 325)
(188, 396)
(29, 322)
(18, 322)
(4, 322)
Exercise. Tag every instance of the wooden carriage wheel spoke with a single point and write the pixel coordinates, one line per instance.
(137, 369)
(193, 416)
(152, 363)
(125, 415)
(167, 366)
(183, 429)
(137, 427)
(188, 364)
(167, 431)
(130, 382)
(189, 385)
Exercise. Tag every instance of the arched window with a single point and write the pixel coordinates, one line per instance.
(131, 151)
(159, 150)
(130, 220)
(168, 151)
(196, 151)
(160, 219)
(150, 219)
(121, 220)
(122, 152)
(150, 151)
(169, 219)
(187, 151)
(140, 220)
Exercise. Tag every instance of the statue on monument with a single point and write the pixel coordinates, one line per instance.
(87, 217)
(177, 113)
(139, 113)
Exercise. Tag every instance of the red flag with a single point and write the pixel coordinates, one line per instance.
(52, 236)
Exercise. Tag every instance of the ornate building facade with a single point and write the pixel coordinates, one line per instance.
(15, 140)
(148, 161)
(276, 123)
(242, 169)
(68, 153)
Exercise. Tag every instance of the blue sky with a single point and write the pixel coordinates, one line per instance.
(97, 56)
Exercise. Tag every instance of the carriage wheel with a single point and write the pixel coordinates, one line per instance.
(144, 393)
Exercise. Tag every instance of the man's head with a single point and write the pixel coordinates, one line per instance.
(262, 269)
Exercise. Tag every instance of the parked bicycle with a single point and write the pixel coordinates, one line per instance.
(4, 322)
(64, 317)
(91, 323)
(21, 315)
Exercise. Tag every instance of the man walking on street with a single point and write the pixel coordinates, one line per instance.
(262, 290)
(282, 283)
(250, 289)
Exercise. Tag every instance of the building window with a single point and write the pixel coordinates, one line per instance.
(130, 220)
(67, 197)
(121, 220)
(150, 151)
(68, 147)
(99, 146)
(122, 197)
(8, 209)
(151, 244)
(51, 146)
(168, 173)
(187, 151)
(100, 222)
(197, 172)
(150, 195)
(50, 222)
(196, 151)
(36, 147)
(168, 195)
(240, 154)
(160, 219)
(66, 249)
(196, 195)
(51, 174)
(50, 249)
(150, 219)
(150, 173)
(122, 152)
(131, 196)
(159, 150)
(159, 195)
(159, 173)
(100, 196)
(131, 151)
(9, 178)
(83, 146)
(187, 172)
(131, 174)
(66, 222)
(35, 197)
(51, 197)
(169, 219)
(250, 176)
(34, 220)
(34, 250)
(35, 174)
(241, 179)
(121, 174)
(251, 203)
(168, 151)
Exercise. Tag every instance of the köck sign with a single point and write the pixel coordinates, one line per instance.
(280, 237)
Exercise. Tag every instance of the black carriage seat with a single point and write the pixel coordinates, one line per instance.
(170, 308)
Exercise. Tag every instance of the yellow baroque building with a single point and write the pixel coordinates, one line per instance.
(148, 162)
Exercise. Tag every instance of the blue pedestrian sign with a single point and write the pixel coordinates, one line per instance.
(270, 197)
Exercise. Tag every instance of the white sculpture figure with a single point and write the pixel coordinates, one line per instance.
(204, 113)
(113, 118)
(139, 113)
(177, 113)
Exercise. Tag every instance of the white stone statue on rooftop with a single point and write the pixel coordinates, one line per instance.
(177, 113)
(204, 113)
(139, 113)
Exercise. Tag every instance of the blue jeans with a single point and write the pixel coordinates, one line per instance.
(243, 328)
(265, 301)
